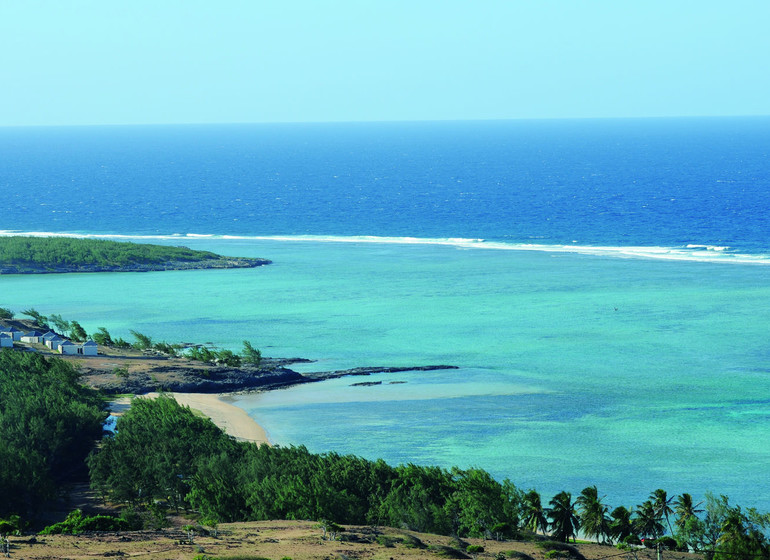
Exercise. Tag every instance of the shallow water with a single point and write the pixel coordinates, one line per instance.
(631, 374)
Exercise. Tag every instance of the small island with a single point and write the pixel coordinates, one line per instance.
(47, 255)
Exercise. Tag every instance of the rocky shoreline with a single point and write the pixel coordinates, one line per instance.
(219, 263)
(146, 375)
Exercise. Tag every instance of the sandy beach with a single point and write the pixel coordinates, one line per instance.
(233, 420)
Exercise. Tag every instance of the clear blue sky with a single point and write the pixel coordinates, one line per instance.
(192, 61)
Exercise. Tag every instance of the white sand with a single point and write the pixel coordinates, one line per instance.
(233, 420)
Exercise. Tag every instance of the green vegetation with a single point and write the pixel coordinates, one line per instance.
(49, 422)
(214, 356)
(6, 313)
(53, 252)
(75, 523)
(251, 355)
(40, 320)
(163, 455)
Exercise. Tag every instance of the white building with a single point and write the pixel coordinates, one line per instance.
(67, 347)
(88, 348)
(13, 332)
(33, 337)
(54, 343)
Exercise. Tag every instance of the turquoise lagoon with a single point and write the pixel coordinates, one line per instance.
(575, 368)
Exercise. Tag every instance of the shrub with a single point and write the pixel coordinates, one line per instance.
(447, 551)
(75, 523)
(519, 555)
(555, 549)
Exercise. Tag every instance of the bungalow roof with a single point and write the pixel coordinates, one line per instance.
(90, 343)
(33, 333)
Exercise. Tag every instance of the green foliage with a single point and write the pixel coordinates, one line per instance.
(48, 424)
(75, 523)
(53, 252)
(534, 514)
(120, 343)
(592, 514)
(563, 520)
(474, 549)
(647, 521)
(154, 452)
(6, 313)
(11, 526)
(143, 342)
(60, 324)
(77, 333)
(224, 357)
(518, 555)
(162, 451)
(251, 355)
(169, 349)
(121, 371)
(621, 525)
(447, 551)
(39, 319)
(101, 336)
(565, 550)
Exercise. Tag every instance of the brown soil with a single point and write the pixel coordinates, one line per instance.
(280, 539)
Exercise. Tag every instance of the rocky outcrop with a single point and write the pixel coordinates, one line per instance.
(222, 262)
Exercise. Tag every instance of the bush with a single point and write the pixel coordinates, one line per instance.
(410, 541)
(555, 549)
(519, 555)
(666, 543)
(75, 523)
(447, 551)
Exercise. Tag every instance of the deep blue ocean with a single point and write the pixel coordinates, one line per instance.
(645, 182)
(602, 285)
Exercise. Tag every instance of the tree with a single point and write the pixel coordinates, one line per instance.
(143, 342)
(593, 514)
(661, 502)
(647, 521)
(61, 325)
(250, 354)
(101, 336)
(621, 525)
(564, 522)
(77, 333)
(39, 319)
(684, 509)
(6, 313)
(533, 512)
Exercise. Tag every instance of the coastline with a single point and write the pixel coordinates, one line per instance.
(231, 419)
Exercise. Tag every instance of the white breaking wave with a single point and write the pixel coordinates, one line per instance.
(690, 252)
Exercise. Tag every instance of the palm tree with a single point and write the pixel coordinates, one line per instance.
(564, 522)
(684, 509)
(647, 521)
(621, 525)
(660, 502)
(534, 514)
(593, 514)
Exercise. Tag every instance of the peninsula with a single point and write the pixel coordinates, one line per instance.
(46, 255)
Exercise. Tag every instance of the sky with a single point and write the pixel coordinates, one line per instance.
(86, 62)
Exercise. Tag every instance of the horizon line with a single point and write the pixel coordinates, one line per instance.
(385, 121)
